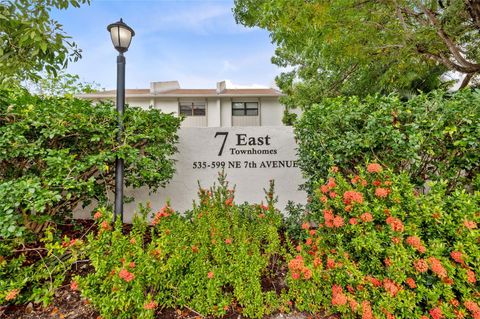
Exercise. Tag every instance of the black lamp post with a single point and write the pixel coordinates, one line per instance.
(121, 35)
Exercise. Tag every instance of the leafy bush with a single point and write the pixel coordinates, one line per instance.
(377, 248)
(431, 136)
(34, 273)
(58, 152)
(209, 262)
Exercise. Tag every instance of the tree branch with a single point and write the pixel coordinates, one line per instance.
(466, 80)
(473, 8)
(452, 47)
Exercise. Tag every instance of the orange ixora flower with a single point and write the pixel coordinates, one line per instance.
(411, 283)
(471, 277)
(164, 212)
(305, 226)
(338, 297)
(381, 192)
(395, 223)
(470, 224)
(338, 221)
(366, 217)
(210, 275)
(457, 256)
(97, 215)
(416, 243)
(420, 265)
(74, 285)
(374, 168)
(105, 225)
(229, 201)
(436, 313)
(126, 275)
(12, 294)
(391, 287)
(350, 197)
(366, 310)
(150, 306)
(437, 267)
(473, 308)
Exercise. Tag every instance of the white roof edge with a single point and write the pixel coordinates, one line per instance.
(100, 96)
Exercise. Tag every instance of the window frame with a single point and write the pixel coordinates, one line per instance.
(192, 107)
(245, 109)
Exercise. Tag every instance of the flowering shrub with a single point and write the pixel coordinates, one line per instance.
(24, 278)
(210, 261)
(378, 249)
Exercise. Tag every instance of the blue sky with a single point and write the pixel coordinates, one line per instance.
(195, 42)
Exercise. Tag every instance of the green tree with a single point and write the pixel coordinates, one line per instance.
(31, 42)
(61, 84)
(357, 47)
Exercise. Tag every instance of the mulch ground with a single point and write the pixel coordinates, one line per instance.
(69, 304)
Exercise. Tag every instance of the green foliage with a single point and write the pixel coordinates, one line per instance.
(210, 262)
(431, 136)
(381, 248)
(34, 273)
(31, 42)
(60, 85)
(355, 47)
(56, 153)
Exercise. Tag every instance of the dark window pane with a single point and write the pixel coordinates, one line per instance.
(252, 112)
(252, 105)
(238, 105)
(199, 109)
(238, 112)
(186, 109)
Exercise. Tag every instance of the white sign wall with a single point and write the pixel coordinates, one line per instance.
(250, 156)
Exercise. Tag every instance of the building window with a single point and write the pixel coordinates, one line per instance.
(192, 108)
(245, 108)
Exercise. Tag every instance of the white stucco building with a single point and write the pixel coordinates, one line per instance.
(220, 107)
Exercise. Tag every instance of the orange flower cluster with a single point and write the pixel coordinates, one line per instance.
(105, 225)
(411, 283)
(297, 267)
(97, 215)
(126, 275)
(338, 297)
(420, 265)
(366, 310)
(391, 287)
(374, 281)
(210, 275)
(74, 285)
(162, 213)
(416, 243)
(437, 267)
(436, 313)
(331, 220)
(351, 197)
(229, 201)
(473, 308)
(12, 294)
(150, 306)
(471, 276)
(457, 256)
(470, 224)
(395, 223)
(374, 168)
(366, 217)
(382, 192)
